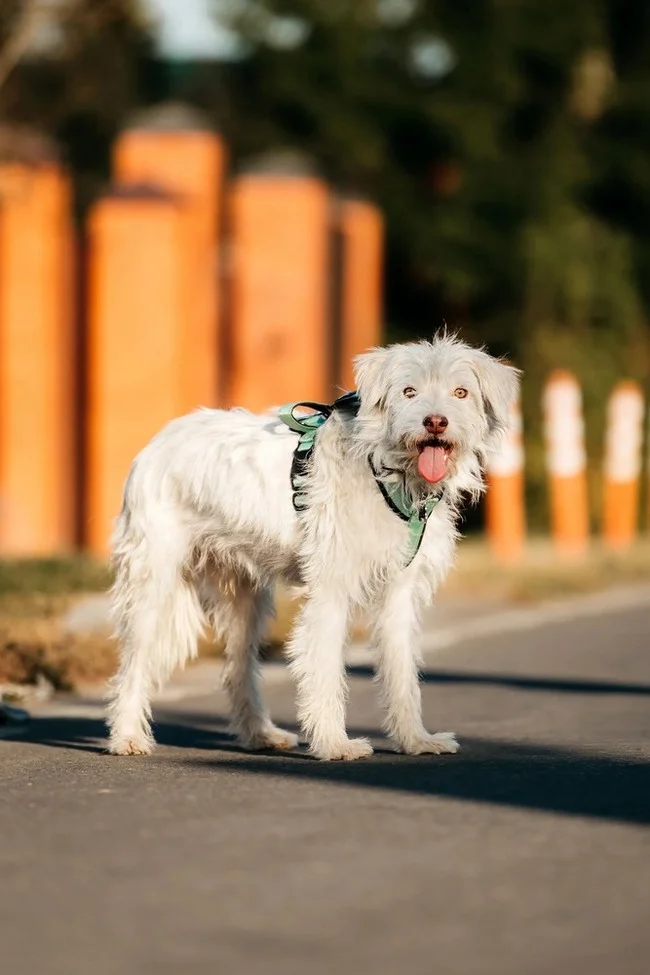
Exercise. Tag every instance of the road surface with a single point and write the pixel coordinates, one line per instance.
(528, 853)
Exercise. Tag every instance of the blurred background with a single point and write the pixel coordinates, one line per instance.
(222, 201)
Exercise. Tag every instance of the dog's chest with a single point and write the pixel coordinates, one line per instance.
(349, 524)
(380, 534)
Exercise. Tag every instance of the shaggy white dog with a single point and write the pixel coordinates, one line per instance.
(208, 526)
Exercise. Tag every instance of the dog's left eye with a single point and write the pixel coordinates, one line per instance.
(460, 392)
(410, 392)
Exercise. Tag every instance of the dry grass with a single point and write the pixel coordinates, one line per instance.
(33, 644)
(35, 595)
(542, 574)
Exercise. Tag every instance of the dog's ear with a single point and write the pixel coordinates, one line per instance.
(499, 385)
(370, 377)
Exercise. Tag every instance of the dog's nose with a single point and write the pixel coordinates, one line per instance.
(435, 424)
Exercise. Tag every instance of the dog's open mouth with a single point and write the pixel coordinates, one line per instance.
(434, 459)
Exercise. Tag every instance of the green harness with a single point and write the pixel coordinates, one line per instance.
(397, 499)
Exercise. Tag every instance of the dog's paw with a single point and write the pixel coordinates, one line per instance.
(270, 737)
(130, 746)
(349, 750)
(442, 743)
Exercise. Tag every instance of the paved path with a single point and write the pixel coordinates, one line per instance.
(526, 854)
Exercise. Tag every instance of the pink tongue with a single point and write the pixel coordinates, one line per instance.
(432, 464)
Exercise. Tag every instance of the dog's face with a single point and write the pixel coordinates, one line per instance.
(434, 409)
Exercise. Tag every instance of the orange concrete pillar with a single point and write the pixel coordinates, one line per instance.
(362, 229)
(37, 372)
(623, 446)
(566, 463)
(279, 341)
(173, 148)
(505, 499)
(136, 326)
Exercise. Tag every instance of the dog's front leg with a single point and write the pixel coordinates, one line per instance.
(397, 636)
(316, 651)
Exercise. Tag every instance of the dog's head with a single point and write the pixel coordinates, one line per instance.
(434, 409)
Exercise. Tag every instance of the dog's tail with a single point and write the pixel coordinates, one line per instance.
(155, 608)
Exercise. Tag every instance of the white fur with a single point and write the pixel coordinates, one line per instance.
(208, 526)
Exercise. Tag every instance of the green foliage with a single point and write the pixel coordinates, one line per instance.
(52, 576)
(456, 148)
(79, 93)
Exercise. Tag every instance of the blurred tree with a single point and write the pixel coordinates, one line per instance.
(465, 121)
(619, 190)
(508, 145)
(379, 92)
(17, 24)
(72, 72)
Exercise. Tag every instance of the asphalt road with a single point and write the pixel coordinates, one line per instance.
(527, 853)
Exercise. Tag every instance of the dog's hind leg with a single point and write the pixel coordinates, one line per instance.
(159, 620)
(239, 616)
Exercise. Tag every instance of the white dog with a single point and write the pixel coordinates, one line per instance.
(208, 525)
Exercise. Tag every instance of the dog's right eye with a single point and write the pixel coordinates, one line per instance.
(410, 392)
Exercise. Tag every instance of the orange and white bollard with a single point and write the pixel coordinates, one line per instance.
(505, 502)
(623, 447)
(566, 463)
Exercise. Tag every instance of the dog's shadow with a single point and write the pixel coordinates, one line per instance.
(90, 734)
(174, 730)
(496, 772)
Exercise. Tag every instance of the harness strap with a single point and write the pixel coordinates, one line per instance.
(307, 427)
(416, 516)
(304, 424)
